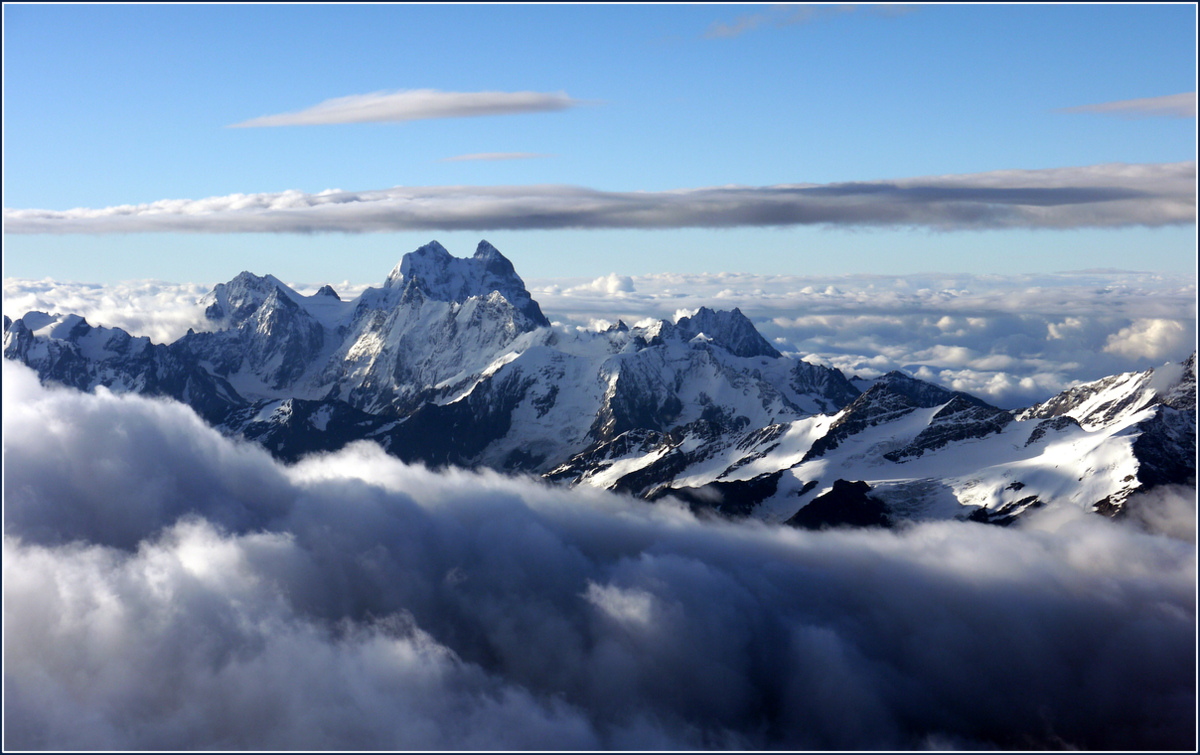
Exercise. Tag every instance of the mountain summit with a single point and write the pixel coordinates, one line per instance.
(443, 277)
(452, 362)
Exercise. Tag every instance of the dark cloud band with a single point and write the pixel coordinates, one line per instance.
(1103, 196)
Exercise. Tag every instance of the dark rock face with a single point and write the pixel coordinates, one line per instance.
(734, 499)
(1008, 513)
(649, 478)
(599, 455)
(878, 405)
(957, 421)
(1055, 425)
(456, 433)
(824, 382)
(1166, 448)
(297, 427)
(919, 392)
(732, 331)
(638, 399)
(1183, 395)
(846, 505)
(893, 396)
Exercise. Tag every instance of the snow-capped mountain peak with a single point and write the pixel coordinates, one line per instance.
(442, 277)
(230, 304)
(450, 362)
(731, 330)
(1119, 398)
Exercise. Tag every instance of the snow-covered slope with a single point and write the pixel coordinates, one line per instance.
(1114, 399)
(451, 361)
(65, 349)
(925, 452)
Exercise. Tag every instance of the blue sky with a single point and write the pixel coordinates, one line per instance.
(126, 105)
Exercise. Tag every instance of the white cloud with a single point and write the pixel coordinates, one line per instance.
(631, 607)
(413, 105)
(1151, 338)
(1181, 105)
(492, 156)
(1099, 196)
(202, 596)
(1012, 340)
(162, 311)
(611, 284)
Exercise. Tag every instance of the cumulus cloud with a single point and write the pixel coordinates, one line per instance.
(1181, 105)
(1099, 196)
(493, 156)
(414, 105)
(1150, 338)
(353, 602)
(609, 285)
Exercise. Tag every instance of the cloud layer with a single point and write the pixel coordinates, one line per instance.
(415, 105)
(203, 596)
(1012, 340)
(1181, 105)
(162, 311)
(1099, 196)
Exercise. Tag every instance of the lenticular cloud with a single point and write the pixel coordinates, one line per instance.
(415, 105)
(168, 588)
(1098, 196)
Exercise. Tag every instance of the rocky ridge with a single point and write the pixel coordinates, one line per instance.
(452, 362)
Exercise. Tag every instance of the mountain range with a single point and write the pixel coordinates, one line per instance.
(452, 362)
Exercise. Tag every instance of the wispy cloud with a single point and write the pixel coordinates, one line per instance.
(487, 156)
(789, 15)
(414, 105)
(1100, 196)
(1181, 105)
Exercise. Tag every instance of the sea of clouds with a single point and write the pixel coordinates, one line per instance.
(1013, 340)
(169, 588)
